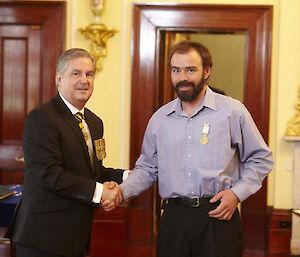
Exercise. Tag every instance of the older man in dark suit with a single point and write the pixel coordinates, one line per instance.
(63, 176)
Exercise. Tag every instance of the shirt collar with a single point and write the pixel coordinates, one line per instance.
(72, 108)
(209, 101)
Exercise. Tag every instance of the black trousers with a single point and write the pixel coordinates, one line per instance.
(24, 251)
(190, 232)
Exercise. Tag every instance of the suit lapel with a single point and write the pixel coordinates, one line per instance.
(73, 123)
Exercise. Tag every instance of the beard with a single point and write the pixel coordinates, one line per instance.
(189, 95)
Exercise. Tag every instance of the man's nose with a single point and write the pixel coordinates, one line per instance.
(183, 75)
(83, 78)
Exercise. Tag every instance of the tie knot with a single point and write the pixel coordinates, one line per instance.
(79, 116)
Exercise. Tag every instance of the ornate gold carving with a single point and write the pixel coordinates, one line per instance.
(98, 34)
(293, 126)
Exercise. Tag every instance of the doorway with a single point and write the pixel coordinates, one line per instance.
(152, 22)
(32, 37)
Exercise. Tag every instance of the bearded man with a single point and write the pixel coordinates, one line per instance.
(207, 154)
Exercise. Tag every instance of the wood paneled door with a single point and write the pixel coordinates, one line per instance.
(151, 22)
(32, 36)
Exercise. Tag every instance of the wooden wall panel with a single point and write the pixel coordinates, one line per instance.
(280, 232)
(14, 89)
(125, 231)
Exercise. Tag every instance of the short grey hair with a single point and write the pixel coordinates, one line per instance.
(70, 54)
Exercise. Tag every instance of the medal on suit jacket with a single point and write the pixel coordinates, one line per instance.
(100, 149)
(205, 130)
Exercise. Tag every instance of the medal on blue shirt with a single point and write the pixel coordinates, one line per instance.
(205, 130)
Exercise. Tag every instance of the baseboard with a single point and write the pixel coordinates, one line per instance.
(279, 234)
(295, 247)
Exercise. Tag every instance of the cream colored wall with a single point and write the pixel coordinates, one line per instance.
(111, 98)
(286, 81)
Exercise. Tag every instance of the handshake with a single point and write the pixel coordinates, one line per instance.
(111, 196)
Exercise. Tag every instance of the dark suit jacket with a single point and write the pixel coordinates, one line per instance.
(56, 211)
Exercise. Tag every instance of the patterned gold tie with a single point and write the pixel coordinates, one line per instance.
(82, 125)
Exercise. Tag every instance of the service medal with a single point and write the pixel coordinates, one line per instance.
(100, 148)
(205, 130)
(203, 140)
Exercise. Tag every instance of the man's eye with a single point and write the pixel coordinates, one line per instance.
(90, 75)
(75, 74)
(175, 70)
(191, 70)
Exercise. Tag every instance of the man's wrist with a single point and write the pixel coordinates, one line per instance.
(126, 174)
(97, 193)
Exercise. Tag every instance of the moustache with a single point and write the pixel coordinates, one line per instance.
(185, 84)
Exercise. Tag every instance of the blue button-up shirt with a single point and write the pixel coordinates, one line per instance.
(235, 156)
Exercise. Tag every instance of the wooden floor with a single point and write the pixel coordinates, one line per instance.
(5, 250)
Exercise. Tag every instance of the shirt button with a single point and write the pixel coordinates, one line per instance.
(190, 137)
(189, 155)
(193, 193)
(190, 174)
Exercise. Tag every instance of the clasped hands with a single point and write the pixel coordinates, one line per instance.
(111, 196)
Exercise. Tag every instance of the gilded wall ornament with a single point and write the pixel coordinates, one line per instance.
(98, 34)
(293, 126)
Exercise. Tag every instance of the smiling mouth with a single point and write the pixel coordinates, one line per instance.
(185, 87)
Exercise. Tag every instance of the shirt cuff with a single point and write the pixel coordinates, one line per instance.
(98, 193)
(242, 191)
(125, 174)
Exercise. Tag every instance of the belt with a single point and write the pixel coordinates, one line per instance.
(193, 202)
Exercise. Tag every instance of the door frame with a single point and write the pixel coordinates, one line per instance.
(149, 21)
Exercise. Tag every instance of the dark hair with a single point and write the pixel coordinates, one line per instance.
(184, 47)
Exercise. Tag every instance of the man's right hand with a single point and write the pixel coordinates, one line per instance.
(111, 195)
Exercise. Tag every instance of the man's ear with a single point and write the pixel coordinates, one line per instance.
(206, 72)
(57, 79)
